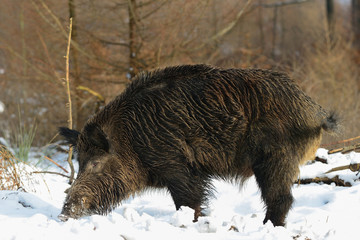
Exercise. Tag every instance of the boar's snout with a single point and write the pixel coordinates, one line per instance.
(63, 217)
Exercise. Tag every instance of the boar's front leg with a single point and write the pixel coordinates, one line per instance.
(189, 191)
(275, 177)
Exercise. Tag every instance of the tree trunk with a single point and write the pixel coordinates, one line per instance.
(133, 51)
(330, 16)
(22, 28)
(274, 46)
(261, 26)
(356, 22)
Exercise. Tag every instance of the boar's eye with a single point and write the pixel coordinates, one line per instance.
(83, 201)
(95, 166)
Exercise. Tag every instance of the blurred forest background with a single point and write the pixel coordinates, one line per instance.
(316, 41)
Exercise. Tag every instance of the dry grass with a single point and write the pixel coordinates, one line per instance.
(9, 176)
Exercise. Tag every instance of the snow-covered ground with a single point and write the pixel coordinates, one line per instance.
(320, 211)
(2, 107)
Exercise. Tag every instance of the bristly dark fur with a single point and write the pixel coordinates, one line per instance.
(179, 127)
(70, 135)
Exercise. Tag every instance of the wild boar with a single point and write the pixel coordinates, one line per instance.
(179, 127)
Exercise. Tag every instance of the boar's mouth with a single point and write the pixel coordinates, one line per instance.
(104, 193)
(67, 213)
(63, 217)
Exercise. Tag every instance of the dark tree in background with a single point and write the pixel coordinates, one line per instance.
(355, 12)
(134, 65)
(330, 16)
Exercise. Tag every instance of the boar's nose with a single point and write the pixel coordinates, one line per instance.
(63, 217)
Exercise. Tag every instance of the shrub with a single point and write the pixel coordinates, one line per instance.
(9, 177)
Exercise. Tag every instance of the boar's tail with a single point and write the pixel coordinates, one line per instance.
(331, 123)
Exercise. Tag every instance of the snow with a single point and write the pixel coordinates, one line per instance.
(320, 211)
(2, 107)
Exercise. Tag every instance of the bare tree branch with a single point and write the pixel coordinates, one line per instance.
(56, 164)
(74, 44)
(154, 10)
(326, 180)
(355, 167)
(32, 66)
(63, 175)
(282, 4)
(342, 141)
(345, 149)
(226, 29)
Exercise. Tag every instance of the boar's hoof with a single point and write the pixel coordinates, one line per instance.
(198, 213)
(63, 217)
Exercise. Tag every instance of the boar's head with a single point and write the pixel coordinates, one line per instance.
(98, 187)
(78, 203)
(95, 193)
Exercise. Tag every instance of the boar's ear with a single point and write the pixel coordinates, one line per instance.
(96, 136)
(71, 136)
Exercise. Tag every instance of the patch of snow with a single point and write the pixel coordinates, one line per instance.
(3, 142)
(2, 107)
(320, 211)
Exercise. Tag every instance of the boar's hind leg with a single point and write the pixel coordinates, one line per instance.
(274, 177)
(190, 192)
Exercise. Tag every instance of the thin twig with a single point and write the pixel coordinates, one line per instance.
(226, 29)
(345, 149)
(282, 4)
(63, 175)
(92, 92)
(56, 164)
(342, 141)
(29, 63)
(354, 167)
(51, 63)
(69, 103)
(59, 26)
